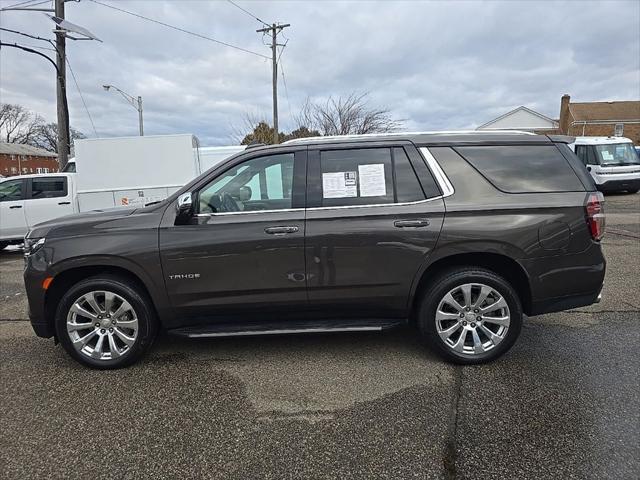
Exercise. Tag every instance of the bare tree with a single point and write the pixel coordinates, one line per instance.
(248, 123)
(17, 124)
(346, 116)
(46, 136)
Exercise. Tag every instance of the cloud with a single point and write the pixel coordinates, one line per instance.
(438, 65)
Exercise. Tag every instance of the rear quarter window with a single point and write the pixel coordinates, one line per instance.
(523, 168)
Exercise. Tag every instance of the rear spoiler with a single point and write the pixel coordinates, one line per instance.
(561, 138)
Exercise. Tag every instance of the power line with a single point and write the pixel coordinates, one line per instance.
(282, 49)
(35, 37)
(180, 29)
(284, 82)
(51, 49)
(22, 3)
(247, 12)
(81, 96)
(23, 6)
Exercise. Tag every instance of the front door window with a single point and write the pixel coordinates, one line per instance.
(263, 183)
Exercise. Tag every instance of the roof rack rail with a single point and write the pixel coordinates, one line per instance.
(395, 134)
(254, 145)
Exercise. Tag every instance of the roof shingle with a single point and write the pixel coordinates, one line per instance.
(592, 111)
(22, 149)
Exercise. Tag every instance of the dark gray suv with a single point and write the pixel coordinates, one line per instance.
(457, 234)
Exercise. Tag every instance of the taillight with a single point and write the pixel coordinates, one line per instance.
(595, 215)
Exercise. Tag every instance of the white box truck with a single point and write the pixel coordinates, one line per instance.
(126, 171)
(105, 173)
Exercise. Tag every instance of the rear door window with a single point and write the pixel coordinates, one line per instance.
(48, 187)
(523, 168)
(408, 187)
(365, 176)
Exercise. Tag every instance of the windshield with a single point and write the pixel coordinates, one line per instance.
(617, 154)
(70, 167)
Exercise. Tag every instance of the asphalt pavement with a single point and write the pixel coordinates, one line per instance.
(563, 403)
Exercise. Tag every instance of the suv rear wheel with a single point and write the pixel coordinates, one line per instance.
(470, 315)
(105, 322)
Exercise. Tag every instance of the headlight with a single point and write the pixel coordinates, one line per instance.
(32, 245)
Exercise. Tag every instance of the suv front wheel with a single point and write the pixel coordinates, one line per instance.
(105, 322)
(470, 315)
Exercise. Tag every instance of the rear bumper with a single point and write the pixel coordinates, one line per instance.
(619, 185)
(566, 281)
(564, 303)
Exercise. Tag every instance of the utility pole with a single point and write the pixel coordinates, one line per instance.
(61, 91)
(140, 115)
(274, 29)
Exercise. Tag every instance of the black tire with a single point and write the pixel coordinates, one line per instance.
(3, 245)
(147, 322)
(634, 190)
(449, 280)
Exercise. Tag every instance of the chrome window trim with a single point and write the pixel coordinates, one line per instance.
(373, 205)
(220, 214)
(438, 173)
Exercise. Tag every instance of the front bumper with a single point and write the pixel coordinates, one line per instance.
(35, 271)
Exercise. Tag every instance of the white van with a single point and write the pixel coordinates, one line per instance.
(30, 199)
(612, 161)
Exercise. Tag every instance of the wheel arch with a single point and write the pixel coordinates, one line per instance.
(500, 264)
(64, 279)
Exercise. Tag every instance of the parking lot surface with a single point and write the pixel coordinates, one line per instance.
(563, 403)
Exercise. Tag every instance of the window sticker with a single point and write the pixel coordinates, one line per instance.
(606, 155)
(372, 181)
(339, 185)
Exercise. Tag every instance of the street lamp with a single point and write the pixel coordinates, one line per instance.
(135, 103)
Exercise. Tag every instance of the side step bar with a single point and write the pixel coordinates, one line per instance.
(284, 328)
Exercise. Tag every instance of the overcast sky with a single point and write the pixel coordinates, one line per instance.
(436, 65)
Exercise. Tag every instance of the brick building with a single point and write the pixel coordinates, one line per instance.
(18, 159)
(600, 119)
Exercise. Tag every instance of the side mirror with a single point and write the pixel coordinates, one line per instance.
(185, 205)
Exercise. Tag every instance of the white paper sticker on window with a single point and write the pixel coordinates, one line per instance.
(372, 181)
(339, 185)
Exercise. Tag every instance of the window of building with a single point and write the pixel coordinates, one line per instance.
(48, 187)
(619, 130)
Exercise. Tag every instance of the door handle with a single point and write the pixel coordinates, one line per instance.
(281, 230)
(15, 206)
(417, 223)
(64, 203)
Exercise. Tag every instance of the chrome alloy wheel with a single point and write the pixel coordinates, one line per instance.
(102, 325)
(472, 319)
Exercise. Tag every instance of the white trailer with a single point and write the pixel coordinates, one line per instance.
(212, 156)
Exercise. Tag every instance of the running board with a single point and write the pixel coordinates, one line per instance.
(285, 328)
